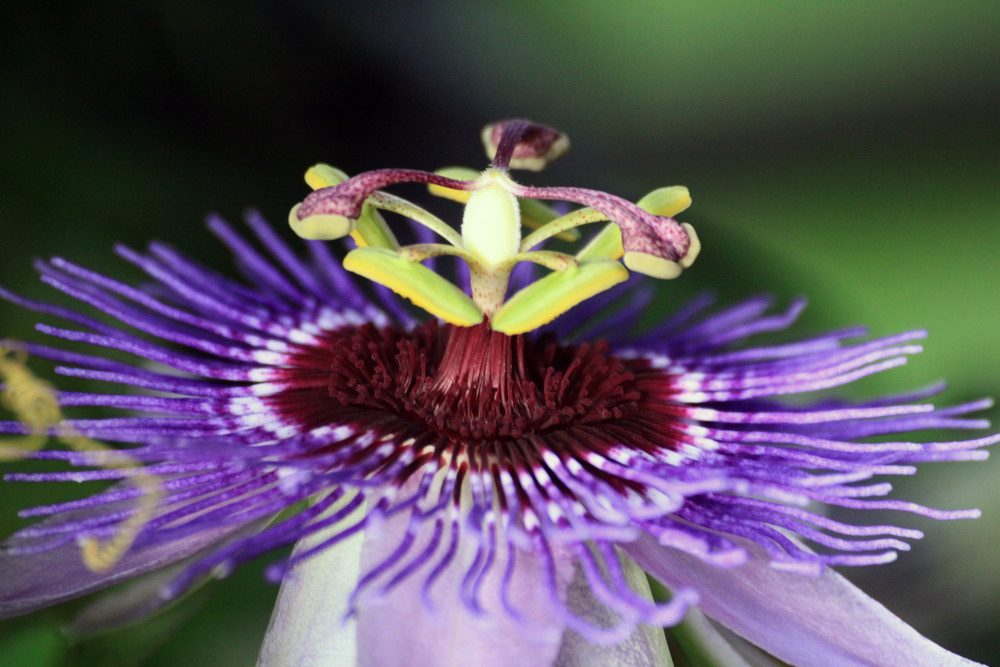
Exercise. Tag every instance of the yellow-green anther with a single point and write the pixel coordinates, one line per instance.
(459, 174)
(321, 176)
(320, 227)
(491, 225)
(651, 265)
(547, 298)
(368, 230)
(666, 202)
(606, 245)
(415, 282)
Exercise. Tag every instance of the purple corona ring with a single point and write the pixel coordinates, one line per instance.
(489, 485)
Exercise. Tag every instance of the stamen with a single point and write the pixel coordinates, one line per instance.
(642, 235)
(656, 246)
(371, 228)
(423, 287)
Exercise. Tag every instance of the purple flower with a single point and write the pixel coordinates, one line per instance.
(481, 487)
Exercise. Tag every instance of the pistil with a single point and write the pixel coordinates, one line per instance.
(643, 236)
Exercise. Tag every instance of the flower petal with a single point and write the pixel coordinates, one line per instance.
(309, 625)
(823, 620)
(126, 605)
(399, 628)
(31, 582)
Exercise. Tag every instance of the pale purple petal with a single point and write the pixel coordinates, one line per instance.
(398, 627)
(486, 474)
(42, 579)
(823, 620)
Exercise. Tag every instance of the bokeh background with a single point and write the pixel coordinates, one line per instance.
(846, 151)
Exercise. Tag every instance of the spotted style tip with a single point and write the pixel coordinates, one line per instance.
(521, 144)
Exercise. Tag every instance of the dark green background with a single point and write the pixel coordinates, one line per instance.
(847, 151)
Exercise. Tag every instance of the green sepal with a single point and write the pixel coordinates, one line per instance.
(547, 298)
(416, 282)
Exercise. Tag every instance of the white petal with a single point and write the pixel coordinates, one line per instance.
(308, 626)
(31, 582)
(645, 647)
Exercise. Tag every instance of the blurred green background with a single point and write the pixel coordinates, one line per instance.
(847, 151)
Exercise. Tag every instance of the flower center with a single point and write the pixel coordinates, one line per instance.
(470, 387)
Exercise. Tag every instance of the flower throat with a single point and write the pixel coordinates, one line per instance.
(469, 384)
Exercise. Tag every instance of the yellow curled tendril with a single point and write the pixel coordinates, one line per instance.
(34, 403)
